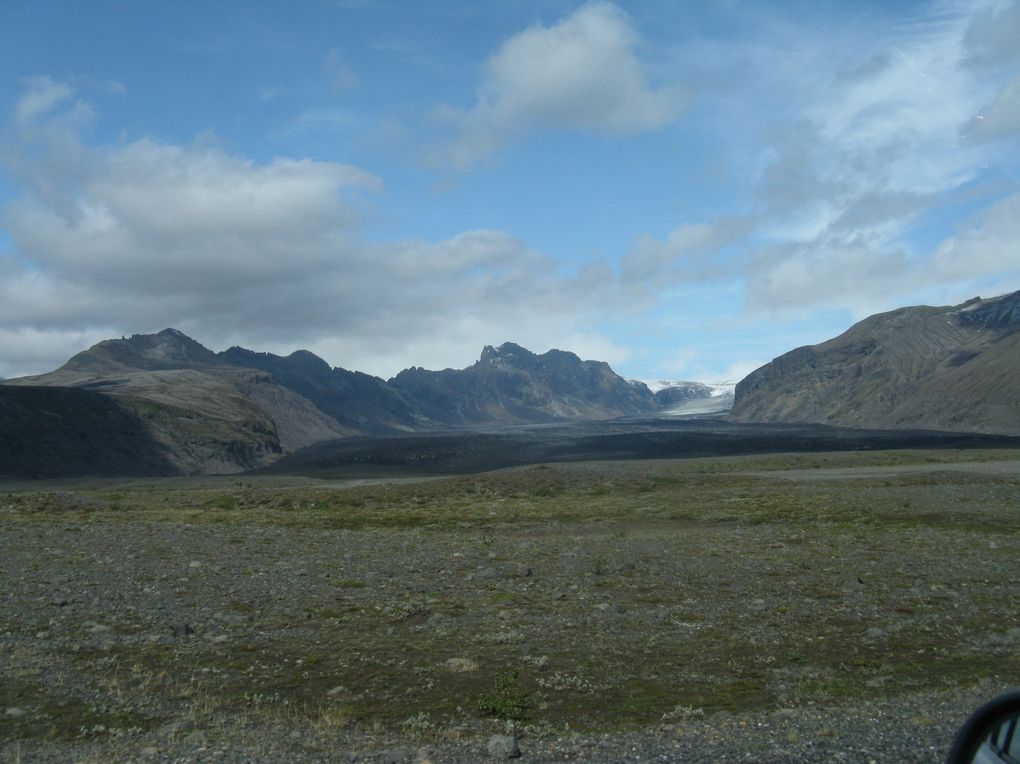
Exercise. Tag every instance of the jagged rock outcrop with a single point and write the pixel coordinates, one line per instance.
(679, 393)
(510, 384)
(359, 402)
(226, 412)
(945, 368)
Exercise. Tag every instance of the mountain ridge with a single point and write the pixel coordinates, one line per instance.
(239, 409)
(949, 368)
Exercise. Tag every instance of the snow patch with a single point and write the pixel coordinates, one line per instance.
(717, 388)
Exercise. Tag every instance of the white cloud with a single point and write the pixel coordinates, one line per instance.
(27, 348)
(44, 94)
(582, 73)
(991, 38)
(341, 76)
(871, 145)
(898, 126)
(153, 218)
(789, 278)
(1000, 118)
(988, 247)
(269, 255)
(737, 370)
(690, 252)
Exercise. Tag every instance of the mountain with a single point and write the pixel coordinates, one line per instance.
(692, 398)
(512, 385)
(357, 401)
(209, 416)
(170, 349)
(944, 368)
(194, 411)
(68, 432)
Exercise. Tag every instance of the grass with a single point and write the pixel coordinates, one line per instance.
(746, 587)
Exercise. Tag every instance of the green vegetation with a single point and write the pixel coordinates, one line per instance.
(595, 595)
(506, 700)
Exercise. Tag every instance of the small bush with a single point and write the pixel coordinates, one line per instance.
(506, 701)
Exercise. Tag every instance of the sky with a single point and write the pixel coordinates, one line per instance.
(683, 189)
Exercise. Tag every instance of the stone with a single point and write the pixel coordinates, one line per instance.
(516, 570)
(485, 573)
(875, 633)
(610, 608)
(461, 665)
(173, 729)
(503, 747)
(854, 583)
(425, 755)
(14, 711)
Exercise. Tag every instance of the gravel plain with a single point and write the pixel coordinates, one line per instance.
(841, 607)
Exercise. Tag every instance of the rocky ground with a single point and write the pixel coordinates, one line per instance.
(838, 607)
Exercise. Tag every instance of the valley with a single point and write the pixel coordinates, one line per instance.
(781, 607)
(240, 556)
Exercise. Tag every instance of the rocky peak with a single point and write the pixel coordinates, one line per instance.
(923, 367)
(168, 349)
(508, 353)
(994, 313)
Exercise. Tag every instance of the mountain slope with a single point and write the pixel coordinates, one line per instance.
(359, 402)
(50, 432)
(236, 410)
(512, 385)
(209, 415)
(949, 368)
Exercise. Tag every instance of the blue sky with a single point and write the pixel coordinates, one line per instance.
(683, 189)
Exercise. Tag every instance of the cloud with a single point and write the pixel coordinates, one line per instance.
(265, 254)
(153, 217)
(786, 279)
(870, 144)
(579, 74)
(1000, 118)
(690, 252)
(43, 95)
(989, 246)
(990, 39)
(341, 76)
(27, 348)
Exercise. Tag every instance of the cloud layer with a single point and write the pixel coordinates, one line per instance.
(869, 161)
(151, 235)
(579, 74)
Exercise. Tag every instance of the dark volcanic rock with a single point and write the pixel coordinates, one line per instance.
(169, 349)
(356, 400)
(510, 384)
(208, 415)
(239, 410)
(49, 432)
(946, 368)
(465, 451)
